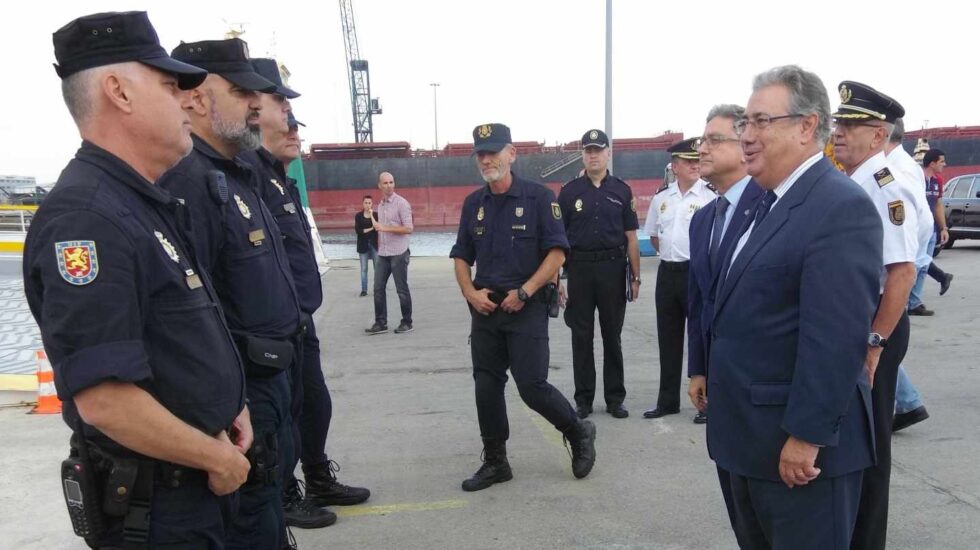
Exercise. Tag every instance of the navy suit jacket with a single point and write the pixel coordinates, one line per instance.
(790, 331)
(701, 278)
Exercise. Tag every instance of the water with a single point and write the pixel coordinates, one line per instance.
(343, 246)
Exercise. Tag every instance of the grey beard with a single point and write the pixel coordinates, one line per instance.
(243, 136)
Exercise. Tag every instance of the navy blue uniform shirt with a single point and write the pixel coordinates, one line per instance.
(597, 218)
(282, 198)
(238, 242)
(507, 238)
(118, 294)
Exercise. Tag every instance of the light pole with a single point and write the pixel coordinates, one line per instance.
(435, 112)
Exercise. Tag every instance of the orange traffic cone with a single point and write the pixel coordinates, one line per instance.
(47, 396)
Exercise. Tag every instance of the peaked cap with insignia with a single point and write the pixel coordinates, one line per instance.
(687, 149)
(862, 102)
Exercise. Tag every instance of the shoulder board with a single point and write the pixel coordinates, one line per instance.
(884, 177)
(662, 189)
(711, 186)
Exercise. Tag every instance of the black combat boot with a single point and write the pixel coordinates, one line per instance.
(303, 512)
(323, 488)
(581, 438)
(495, 467)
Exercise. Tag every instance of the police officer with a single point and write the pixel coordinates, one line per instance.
(668, 222)
(864, 121)
(154, 389)
(238, 243)
(599, 212)
(311, 407)
(512, 230)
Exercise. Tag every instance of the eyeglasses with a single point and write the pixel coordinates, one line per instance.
(713, 140)
(760, 121)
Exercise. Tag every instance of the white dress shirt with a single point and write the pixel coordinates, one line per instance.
(669, 219)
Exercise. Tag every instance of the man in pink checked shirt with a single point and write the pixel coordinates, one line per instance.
(394, 225)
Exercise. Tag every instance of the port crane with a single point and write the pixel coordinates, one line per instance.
(363, 106)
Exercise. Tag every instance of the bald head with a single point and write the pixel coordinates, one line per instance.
(386, 183)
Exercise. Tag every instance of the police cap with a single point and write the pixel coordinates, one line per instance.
(595, 138)
(269, 70)
(117, 37)
(490, 138)
(687, 149)
(227, 58)
(292, 122)
(862, 102)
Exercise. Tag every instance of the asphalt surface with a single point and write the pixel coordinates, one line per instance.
(405, 426)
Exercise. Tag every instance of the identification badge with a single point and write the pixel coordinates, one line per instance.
(278, 186)
(519, 212)
(479, 214)
(256, 237)
(478, 230)
(167, 247)
(193, 281)
(289, 208)
(578, 205)
(243, 208)
(519, 227)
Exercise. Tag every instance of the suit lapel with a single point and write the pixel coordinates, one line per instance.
(776, 218)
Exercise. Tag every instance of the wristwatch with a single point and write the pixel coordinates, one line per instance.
(521, 295)
(876, 341)
(637, 280)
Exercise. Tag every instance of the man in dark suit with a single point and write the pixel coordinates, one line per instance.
(790, 404)
(714, 230)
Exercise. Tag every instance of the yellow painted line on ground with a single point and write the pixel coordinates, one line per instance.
(551, 435)
(18, 382)
(8, 246)
(385, 509)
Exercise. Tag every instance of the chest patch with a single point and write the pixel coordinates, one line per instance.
(167, 247)
(578, 205)
(896, 212)
(78, 261)
(243, 208)
(884, 177)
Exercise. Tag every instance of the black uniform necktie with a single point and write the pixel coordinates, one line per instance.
(721, 206)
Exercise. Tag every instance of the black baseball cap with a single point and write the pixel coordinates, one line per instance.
(269, 70)
(226, 58)
(595, 138)
(117, 37)
(291, 121)
(490, 138)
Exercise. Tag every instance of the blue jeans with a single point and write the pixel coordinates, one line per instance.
(371, 255)
(915, 297)
(907, 398)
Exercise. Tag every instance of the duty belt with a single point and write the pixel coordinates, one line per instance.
(597, 255)
(674, 266)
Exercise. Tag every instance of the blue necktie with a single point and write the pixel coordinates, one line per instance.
(763, 208)
(721, 206)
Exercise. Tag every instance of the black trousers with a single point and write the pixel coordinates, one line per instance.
(597, 284)
(397, 267)
(872, 521)
(817, 516)
(671, 301)
(518, 341)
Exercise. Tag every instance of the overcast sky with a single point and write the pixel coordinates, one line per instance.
(535, 65)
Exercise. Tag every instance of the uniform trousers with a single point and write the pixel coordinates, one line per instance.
(518, 341)
(872, 521)
(260, 523)
(671, 301)
(597, 285)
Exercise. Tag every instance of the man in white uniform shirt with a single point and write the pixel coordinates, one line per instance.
(667, 223)
(864, 121)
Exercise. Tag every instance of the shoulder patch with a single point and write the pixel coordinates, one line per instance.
(556, 210)
(633, 204)
(884, 177)
(78, 261)
(896, 212)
